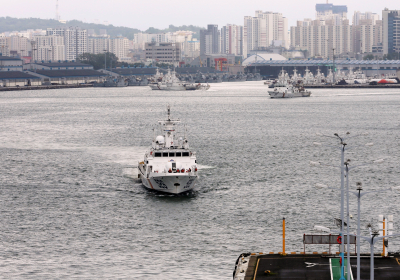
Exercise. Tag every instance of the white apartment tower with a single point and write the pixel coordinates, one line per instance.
(369, 35)
(15, 45)
(276, 28)
(49, 47)
(101, 44)
(75, 39)
(98, 44)
(367, 32)
(358, 17)
(264, 30)
(254, 34)
(120, 47)
(4, 50)
(232, 39)
(322, 40)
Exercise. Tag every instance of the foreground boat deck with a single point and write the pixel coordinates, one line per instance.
(313, 267)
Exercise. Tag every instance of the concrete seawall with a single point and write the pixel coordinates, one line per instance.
(45, 87)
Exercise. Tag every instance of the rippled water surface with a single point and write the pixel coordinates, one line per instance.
(72, 207)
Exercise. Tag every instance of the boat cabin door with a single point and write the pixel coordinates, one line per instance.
(174, 167)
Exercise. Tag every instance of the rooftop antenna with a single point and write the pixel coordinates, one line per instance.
(57, 14)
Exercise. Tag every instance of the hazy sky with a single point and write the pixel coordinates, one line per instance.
(160, 13)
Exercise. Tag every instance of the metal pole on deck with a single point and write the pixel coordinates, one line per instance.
(359, 188)
(383, 239)
(348, 222)
(283, 237)
(342, 207)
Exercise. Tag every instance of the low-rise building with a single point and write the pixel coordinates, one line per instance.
(61, 65)
(8, 63)
(18, 78)
(68, 77)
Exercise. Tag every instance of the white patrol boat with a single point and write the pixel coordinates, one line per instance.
(170, 166)
(283, 87)
(289, 91)
(281, 91)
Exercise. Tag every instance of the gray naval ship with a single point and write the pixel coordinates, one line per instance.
(112, 81)
(138, 81)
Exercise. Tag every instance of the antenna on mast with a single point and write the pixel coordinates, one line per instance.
(169, 112)
(57, 14)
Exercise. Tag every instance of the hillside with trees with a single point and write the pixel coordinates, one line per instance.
(8, 24)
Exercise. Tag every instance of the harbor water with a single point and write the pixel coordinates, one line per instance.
(72, 206)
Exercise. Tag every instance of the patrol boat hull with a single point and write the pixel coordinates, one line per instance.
(173, 183)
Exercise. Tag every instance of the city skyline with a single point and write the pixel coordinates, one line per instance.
(159, 15)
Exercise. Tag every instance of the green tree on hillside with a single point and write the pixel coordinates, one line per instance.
(8, 24)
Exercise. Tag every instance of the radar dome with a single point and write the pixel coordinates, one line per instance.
(160, 139)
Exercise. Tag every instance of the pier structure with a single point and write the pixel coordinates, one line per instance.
(371, 68)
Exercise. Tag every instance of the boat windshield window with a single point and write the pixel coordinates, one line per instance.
(185, 154)
(179, 154)
(165, 154)
(157, 154)
(171, 154)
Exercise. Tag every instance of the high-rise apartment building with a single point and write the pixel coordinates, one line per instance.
(49, 47)
(331, 31)
(367, 35)
(391, 31)
(232, 39)
(99, 44)
(276, 28)
(264, 30)
(319, 39)
(4, 50)
(359, 17)
(120, 47)
(367, 32)
(15, 45)
(75, 40)
(210, 40)
(140, 40)
(192, 48)
(254, 34)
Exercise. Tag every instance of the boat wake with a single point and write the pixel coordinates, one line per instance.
(200, 167)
